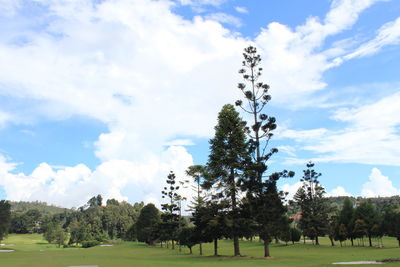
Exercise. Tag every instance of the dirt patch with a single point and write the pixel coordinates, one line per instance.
(357, 262)
(6, 250)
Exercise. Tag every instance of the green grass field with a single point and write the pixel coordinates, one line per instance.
(32, 251)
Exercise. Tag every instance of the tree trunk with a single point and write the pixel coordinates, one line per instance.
(304, 239)
(316, 240)
(167, 243)
(236, 248)
(266, 249)
(332, 243)
(161, 244)
(201, 248)
(276, 240)
(190, 249)
(352, 242)
(398, 239)
(370, 241)
(215, 247)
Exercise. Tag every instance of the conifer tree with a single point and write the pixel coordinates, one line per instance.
(260, 187)
(314, 207)
(197, 172)
(170, 217)
(226, 165)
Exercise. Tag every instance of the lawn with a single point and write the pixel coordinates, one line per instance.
(32, 251)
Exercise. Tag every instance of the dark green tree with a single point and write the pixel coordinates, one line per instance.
(226, 165)
(391, 223)
(5, 218)
(210, 222)
(295, 234)
(147, 223)
(258, 185)
(197, 172)
(346, 218)
(187, 237)
(370, 216)
(314, 207)
(170, 217)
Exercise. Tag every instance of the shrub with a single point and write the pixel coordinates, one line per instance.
(90, 243)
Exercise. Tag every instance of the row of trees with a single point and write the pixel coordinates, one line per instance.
(353, 221)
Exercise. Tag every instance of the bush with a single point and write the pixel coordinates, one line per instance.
(90, 243)
(295, 235)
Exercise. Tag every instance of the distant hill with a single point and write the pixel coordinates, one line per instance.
(43, 207)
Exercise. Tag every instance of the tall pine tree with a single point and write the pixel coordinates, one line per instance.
(226, 165)
(260, 188)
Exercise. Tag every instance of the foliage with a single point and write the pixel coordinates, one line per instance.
(260, 132)
(90, 243)
(5, 218)
(226, 166)
(187, 237)
(295, 234)
(147, 223)
(314, 207)
(366, 218)
(170, 218)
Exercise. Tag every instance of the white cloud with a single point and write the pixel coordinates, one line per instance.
(180, 142)
(225, 18)
(202, 2)
(4, 118)
(372, 129)
(378, 185)
(74, 186)
(339, 192)
(388, 34)
(241, 9)
(291, 189)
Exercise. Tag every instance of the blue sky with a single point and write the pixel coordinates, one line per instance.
(109, 96)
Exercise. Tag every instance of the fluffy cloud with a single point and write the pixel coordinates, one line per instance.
(378, 185)
(148, 74)
(73, 186)
(339, 192)
(291, 189)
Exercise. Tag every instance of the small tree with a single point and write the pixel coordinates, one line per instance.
(391, 224)
(5, 218)
(314, 207)
(295, 235)
(346, 218)
(368, 213)
(187, 237)
(147, 223)
(170, 217)
(197, 172)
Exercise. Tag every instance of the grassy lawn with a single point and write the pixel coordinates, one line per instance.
(32, 250)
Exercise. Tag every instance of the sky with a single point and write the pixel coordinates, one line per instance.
(107, 96)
